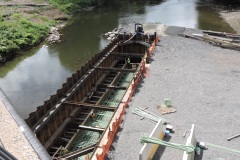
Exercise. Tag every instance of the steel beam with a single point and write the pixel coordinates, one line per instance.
(89, 105)
(94, 129)
(117, 87)
(79, 152)
(111, 69)
(111, 87)
(135, 42)
(138, 55)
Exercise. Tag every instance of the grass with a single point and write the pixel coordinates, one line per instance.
(18, 32)
(72, 6)
(23, 29)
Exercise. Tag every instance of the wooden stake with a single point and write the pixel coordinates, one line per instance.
(238, 135)
(184, 134)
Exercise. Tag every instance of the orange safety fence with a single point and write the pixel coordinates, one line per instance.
(114, 125)
(153, 45)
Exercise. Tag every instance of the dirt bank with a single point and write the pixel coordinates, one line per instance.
(27, 17)
(31, 7)
(233, 18)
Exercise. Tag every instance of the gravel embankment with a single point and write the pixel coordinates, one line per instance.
(233, 19)
(12, 138)
(202, 81)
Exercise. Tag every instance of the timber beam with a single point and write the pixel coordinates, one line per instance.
(89, 105)
(103, 86)
(79, 152)
(94, 129)
(135, 42)
(117, 87)
(111, 69)
(128, 54)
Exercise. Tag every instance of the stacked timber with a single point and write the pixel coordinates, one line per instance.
(222, 39)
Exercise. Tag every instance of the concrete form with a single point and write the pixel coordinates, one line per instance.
(191, 140)
(148, 150)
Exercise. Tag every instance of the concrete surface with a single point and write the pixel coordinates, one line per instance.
(203, 83)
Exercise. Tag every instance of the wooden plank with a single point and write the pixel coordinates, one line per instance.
(117, 87)
(128, 54)
(57, 133)
(111, 69)
(135, 42)
(79, 152)
(89, 105)
(230, 35)
(94, 129)
(58, 149)
(225, 39)
(191, 140)
(104, 86)
(148, 150)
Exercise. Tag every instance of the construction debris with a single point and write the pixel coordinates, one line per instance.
(169, 128)
(166, 107)
(184, 134)
(146, 114)
(222, 39)
(235, 136)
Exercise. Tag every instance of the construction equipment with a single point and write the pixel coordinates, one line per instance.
(139, 29)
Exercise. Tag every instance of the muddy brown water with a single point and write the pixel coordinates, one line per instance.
(32, 77)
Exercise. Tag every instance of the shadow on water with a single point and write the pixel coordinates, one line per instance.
(209, 19)
(227, 5)
(82, 39)
(16, 60)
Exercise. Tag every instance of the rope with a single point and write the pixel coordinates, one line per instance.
(146, 114)
(223, 148)
(188, 148)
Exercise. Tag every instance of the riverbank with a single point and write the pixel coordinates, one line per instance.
(25, 23)
(233, 19)
(38, 12)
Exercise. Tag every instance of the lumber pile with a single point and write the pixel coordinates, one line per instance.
(222, 39)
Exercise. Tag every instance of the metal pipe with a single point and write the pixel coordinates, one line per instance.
(6, 155)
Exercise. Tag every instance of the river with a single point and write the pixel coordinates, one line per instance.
(34, 75)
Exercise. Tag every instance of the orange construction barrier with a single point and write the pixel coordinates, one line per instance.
(112, 130)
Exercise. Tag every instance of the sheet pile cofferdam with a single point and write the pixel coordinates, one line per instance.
(73, 122)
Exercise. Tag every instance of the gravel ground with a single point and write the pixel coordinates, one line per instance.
(202, 82)
(233, 18)
(12, 139)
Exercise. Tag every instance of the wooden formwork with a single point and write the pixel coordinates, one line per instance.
(50, 120)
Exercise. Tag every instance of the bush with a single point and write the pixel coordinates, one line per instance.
(72, 6)
(17, 32)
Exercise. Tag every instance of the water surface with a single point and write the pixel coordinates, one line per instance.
(30, 79)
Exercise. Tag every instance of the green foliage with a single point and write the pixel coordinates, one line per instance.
(63, 151)
(17, 32)
(72, 6)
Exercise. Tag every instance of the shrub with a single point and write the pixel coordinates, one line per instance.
(17, 32)
(72, 6)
